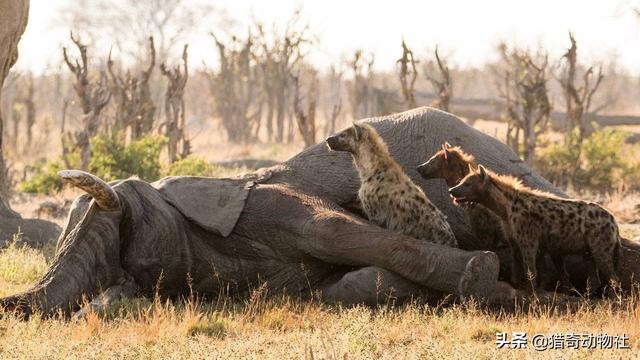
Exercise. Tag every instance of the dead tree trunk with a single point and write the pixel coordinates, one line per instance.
(334, 99)
(93, 98)
(233, 86)
(29, 105)
(577, 99)
(80, 70)
(135, 109)
(361, 90)
(281, 56)
(306, 120)
(441, 83)
(100, 96)
(16, 118)
(524, 89)
(65, 139)
(174, 125)
(408, 73)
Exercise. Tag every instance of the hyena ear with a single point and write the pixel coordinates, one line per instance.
(445, 150)
(357, 129)
(483, 173)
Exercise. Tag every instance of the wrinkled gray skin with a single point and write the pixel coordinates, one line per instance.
(293, 233)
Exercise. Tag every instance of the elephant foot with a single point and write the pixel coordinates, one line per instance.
(480, 277)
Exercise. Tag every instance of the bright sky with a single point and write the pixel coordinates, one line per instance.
(468, 30)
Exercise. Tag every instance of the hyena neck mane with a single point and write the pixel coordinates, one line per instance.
(372, 156)
(458, 163)
(503, 190)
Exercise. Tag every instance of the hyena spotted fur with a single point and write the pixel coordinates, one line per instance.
(389, 198)
(536, 219)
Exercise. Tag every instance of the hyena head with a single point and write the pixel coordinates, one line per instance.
(449, 163)
(472, 188)
(347, 139)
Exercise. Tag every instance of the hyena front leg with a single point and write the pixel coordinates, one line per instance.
(517, 268)
(529, 253)
(565, 282)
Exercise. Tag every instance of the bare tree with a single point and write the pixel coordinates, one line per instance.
(100, 97)
(27, 105)
(361, 89)
(80, 70)
(235, 88)
(577, 97)
(135, 109)
(65, 139)
(16, 118)
(440, 79)
(94, 95)
(170, 22)
(174, 126)
(282, 53)
(523, 87)
(408, 73)
(306, 119)
(334, 83)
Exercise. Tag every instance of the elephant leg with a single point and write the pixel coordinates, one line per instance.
(339, 238)
(125, 289)
(373, 285)
(319, 228)
(435, 266)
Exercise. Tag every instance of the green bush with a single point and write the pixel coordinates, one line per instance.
(111, 159)
(45, 180)
(600, 163)
(192, 165)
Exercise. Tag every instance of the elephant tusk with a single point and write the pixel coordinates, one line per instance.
(105, 197)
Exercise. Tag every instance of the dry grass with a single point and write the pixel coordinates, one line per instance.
(263, 327)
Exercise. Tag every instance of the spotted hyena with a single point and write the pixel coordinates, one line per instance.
(452, 164)
(389, 198)
(535, 219)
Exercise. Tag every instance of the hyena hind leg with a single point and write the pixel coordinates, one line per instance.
(606, 268)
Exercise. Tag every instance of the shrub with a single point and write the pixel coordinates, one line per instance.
(191, 165)
(111, 159)
(600, 163)
(45, 180)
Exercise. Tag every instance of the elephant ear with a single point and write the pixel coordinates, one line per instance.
(214, 204)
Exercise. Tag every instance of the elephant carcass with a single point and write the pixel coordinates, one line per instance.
(291, 233)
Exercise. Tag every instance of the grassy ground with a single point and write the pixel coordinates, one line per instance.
(283, 328)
